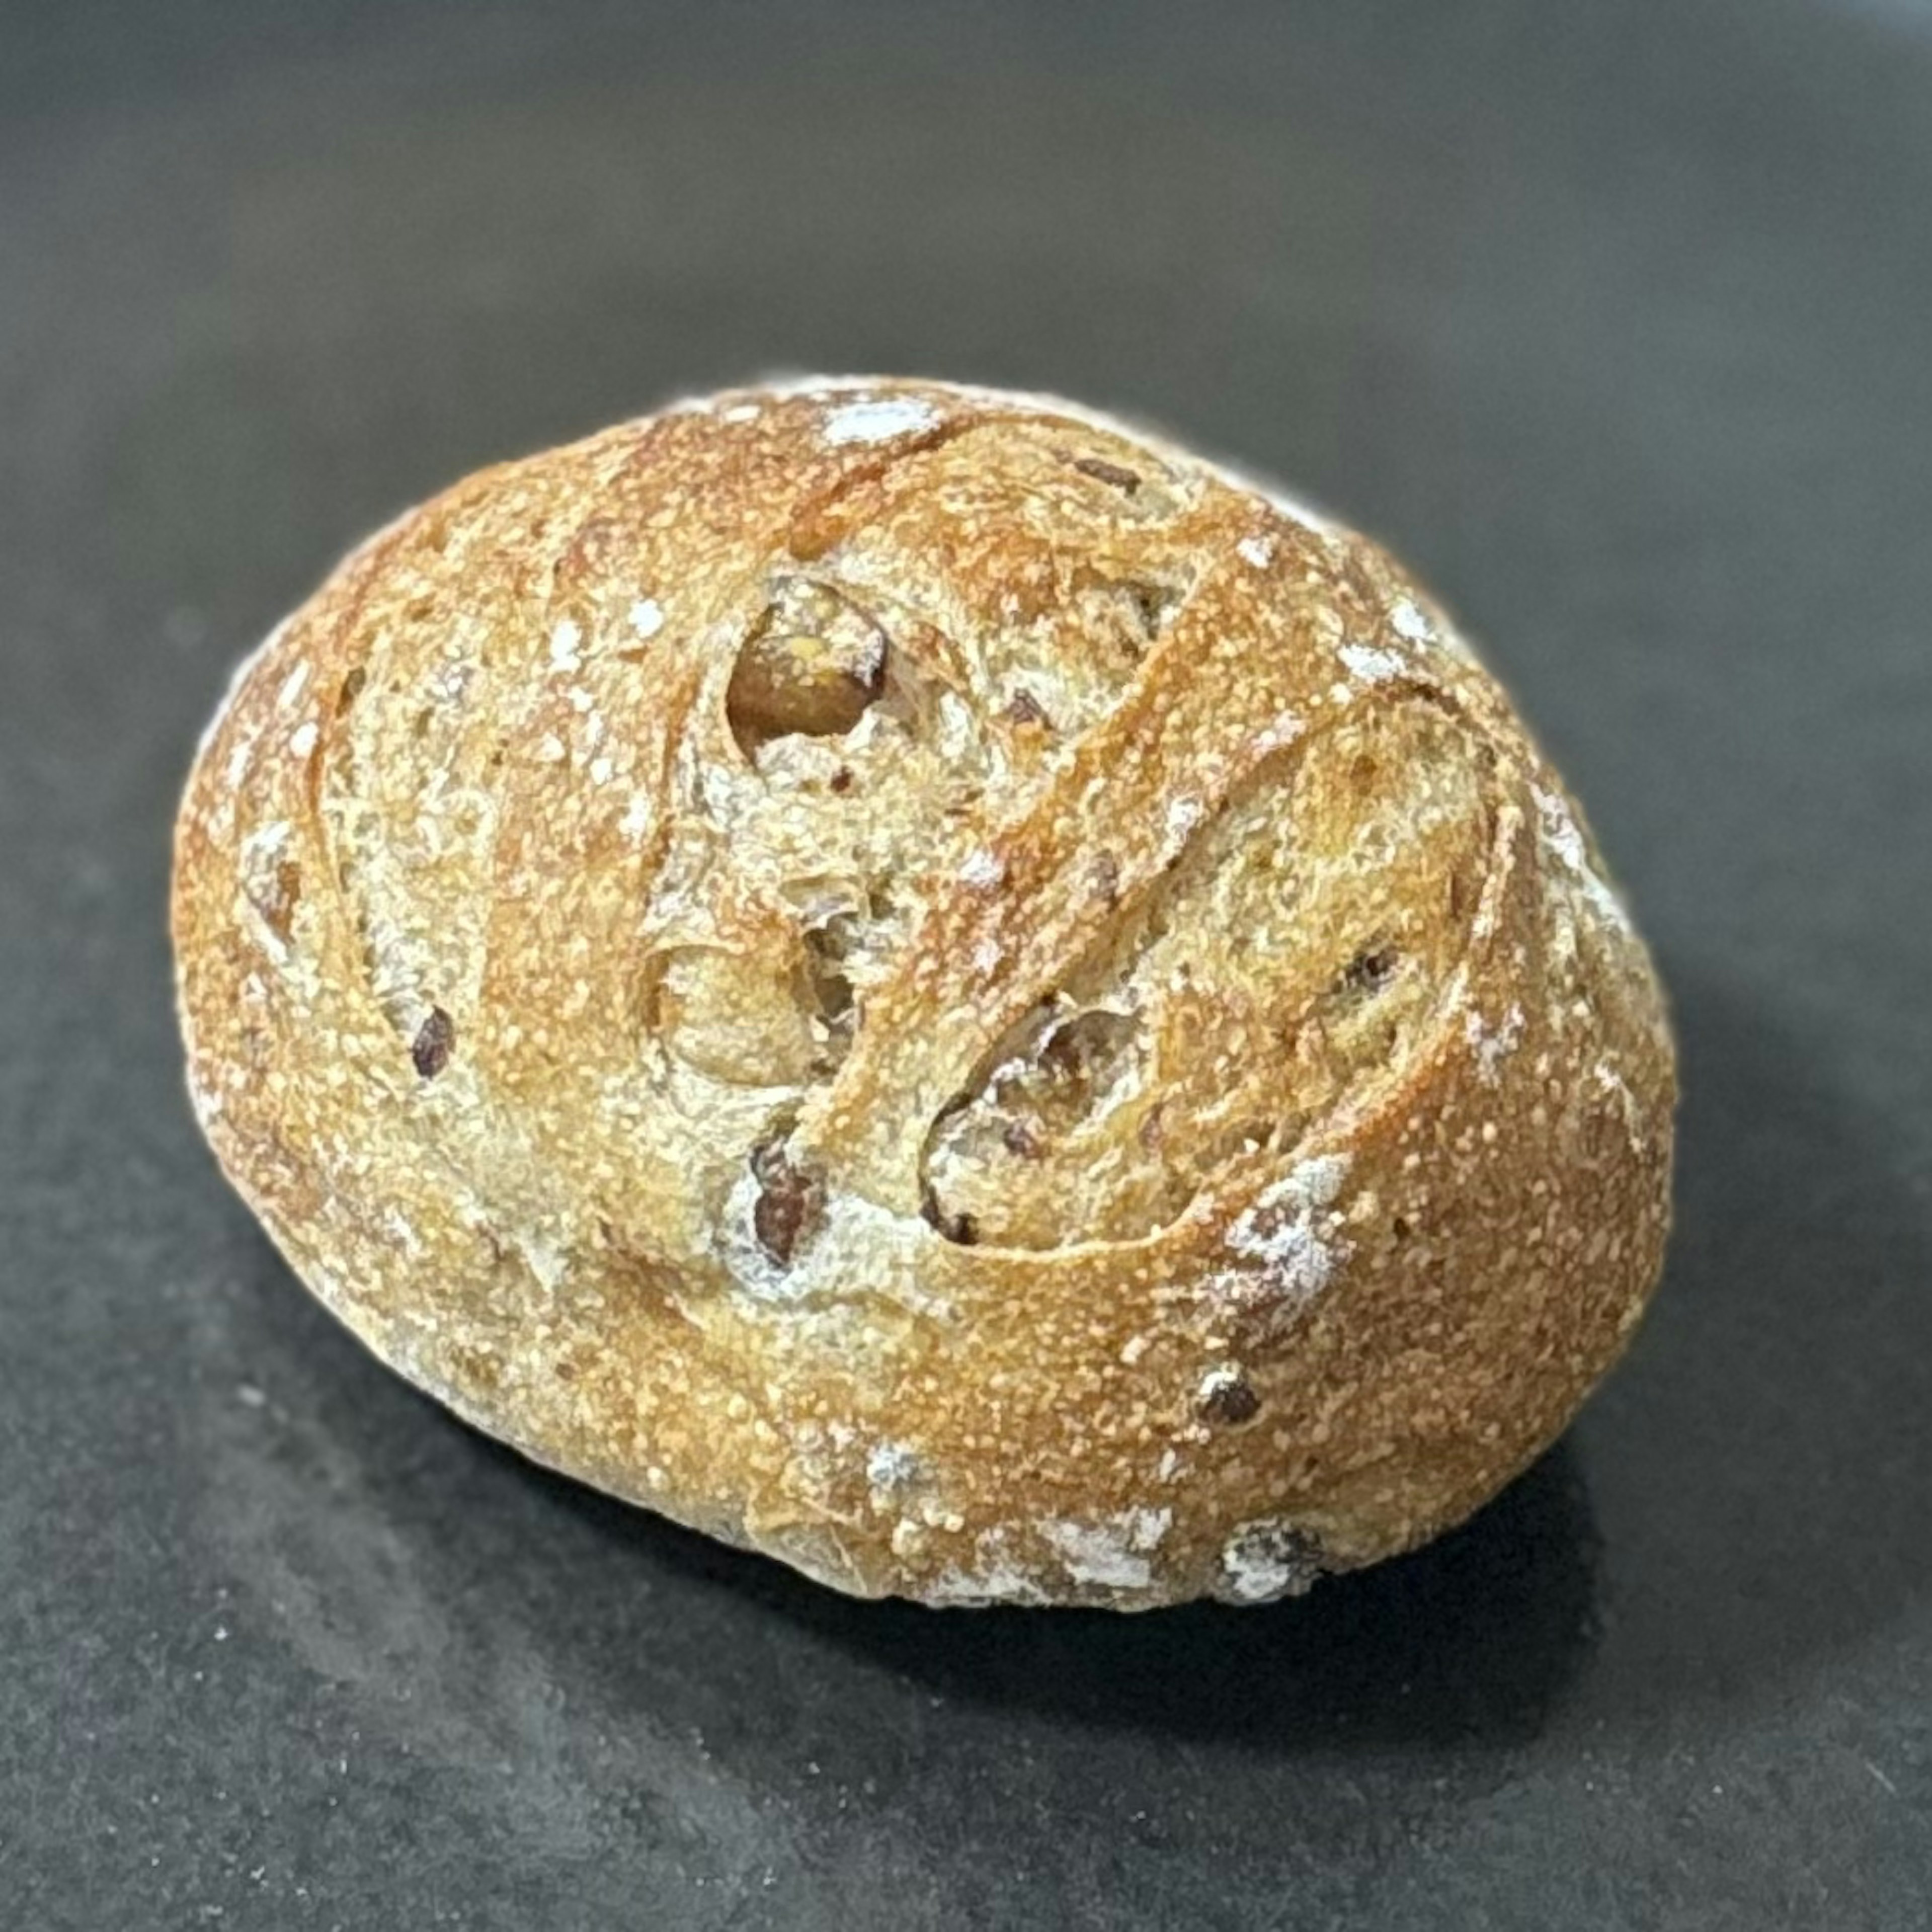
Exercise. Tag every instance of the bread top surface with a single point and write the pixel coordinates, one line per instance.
(934, 986)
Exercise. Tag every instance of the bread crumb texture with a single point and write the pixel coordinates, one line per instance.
(934, 987)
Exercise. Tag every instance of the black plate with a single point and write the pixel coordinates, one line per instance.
(1615, 319)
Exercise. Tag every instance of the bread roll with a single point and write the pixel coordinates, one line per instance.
(935, 987)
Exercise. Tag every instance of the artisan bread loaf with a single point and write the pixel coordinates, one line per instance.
(935, 987)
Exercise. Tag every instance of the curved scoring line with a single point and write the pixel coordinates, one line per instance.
(1020, 403)
(1370, 1096)
(880, 605)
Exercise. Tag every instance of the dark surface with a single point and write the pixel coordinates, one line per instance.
(1615, 319)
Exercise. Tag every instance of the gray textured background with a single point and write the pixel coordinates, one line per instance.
(1613, 318)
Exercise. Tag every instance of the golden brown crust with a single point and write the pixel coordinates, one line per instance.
(933, 987)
